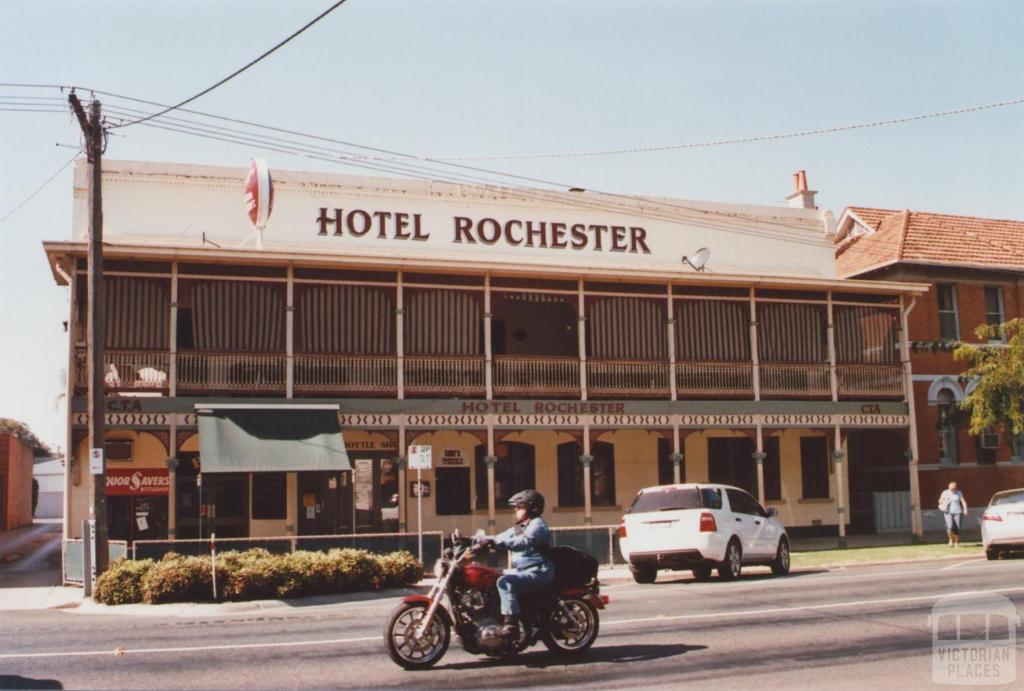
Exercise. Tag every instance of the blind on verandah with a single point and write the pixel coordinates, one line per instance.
(137, 312)
(443, 322)
(344, 319)
(865, 334)
(712, 330)
(626, 328)
(791, 332)
(231, 316)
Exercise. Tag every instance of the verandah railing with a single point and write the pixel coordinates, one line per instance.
(320, 374)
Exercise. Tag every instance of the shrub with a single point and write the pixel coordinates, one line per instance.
(306, 573)
(178, 579)
(251, 575)
(399, 569)
(121, 584)
(354, 569)
(255, 574)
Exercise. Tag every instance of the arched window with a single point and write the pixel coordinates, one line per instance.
(947, 427)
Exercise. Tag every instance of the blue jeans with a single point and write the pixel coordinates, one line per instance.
(527, 581)
(953, 521)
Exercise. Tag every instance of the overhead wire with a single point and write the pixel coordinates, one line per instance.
(39, 189)
(239, 71)
(320, 153)
(410, 157)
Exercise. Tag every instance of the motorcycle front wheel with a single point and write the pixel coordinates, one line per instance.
(572, 628)
(410, 650)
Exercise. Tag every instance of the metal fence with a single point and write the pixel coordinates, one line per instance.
(378, 543)
(600, 541)
(74, 558)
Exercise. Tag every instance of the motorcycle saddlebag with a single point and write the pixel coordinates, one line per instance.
(573, 566)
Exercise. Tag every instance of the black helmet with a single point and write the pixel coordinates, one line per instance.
(529, 498)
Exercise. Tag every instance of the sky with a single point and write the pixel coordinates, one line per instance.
(486, 78)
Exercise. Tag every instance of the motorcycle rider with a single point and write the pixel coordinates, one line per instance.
(529, 541)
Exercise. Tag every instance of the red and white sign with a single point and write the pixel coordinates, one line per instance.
(259, 192)
(149, 482)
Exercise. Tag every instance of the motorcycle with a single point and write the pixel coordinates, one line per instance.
(563, 616)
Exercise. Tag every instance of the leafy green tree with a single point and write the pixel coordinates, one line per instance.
(998, 398)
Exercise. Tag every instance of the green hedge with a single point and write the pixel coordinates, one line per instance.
(254, 575)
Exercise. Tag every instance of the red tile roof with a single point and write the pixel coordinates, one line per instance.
(920, 237)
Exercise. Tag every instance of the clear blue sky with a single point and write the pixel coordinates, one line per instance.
(487, 77)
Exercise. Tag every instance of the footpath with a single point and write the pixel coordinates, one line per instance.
(817, 553)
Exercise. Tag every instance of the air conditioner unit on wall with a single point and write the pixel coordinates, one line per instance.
(990, 440)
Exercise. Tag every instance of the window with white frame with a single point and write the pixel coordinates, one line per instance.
(995, 313)
(949, 324)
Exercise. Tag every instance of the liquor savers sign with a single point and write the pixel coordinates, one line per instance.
(138, 483)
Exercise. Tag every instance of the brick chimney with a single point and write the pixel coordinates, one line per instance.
(802, 198)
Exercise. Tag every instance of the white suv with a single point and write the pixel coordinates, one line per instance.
(700, 527)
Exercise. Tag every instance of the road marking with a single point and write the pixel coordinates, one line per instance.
(119, 651)
(962, 563)
(804, 608)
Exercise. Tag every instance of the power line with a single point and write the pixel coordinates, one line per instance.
(395, 158)
(39, 189)
(740, 140)
(419, 168)
(237, 72)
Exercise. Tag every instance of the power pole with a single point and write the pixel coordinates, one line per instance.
(92, 128)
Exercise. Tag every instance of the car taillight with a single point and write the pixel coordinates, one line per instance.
(707, 523)
(991, 517)
(622, 529)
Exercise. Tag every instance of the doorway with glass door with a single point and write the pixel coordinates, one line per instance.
(363, 500)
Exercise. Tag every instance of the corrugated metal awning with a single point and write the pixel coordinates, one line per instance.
(253, 438)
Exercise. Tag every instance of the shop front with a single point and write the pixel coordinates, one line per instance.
(137, 504)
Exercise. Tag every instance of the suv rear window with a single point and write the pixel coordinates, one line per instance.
(1008, 498)
(666, 499)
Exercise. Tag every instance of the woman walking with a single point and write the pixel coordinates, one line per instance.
(954, 508)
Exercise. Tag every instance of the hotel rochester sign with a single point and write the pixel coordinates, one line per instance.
(397, 225)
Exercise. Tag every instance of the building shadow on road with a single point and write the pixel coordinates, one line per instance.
(13, 681)
(644, 652)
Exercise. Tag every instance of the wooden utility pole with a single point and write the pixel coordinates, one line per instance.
(92, 128)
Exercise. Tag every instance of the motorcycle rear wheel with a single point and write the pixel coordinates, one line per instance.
(572, 633)
(405, 648)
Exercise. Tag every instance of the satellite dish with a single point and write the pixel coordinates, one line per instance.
(699, 259)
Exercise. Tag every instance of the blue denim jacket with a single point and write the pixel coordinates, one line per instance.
(525, 541)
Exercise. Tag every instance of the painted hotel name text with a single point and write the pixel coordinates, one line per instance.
(396, 225)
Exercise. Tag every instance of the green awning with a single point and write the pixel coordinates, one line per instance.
(247, 440)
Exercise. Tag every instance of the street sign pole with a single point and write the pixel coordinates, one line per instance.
(419, 512)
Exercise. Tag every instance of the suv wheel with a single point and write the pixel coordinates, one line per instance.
(643, 573)
(702, 572)
(781, 564)
(991, 554)
(733, 562)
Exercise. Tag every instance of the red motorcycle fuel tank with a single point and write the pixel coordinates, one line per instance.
(479, 576)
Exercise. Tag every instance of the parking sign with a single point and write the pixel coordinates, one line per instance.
(420, 457)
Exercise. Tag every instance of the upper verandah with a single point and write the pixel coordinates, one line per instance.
(176, 206)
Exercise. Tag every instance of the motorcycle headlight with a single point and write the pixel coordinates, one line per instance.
(439, 568)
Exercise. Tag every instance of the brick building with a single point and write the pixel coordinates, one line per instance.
(18, 447)
(975, 267)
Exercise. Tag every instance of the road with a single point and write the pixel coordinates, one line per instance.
(847, 628)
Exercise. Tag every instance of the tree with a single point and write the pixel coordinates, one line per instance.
(998, 398)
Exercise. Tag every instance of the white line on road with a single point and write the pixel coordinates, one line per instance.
(804, 608)
(189, 649)
(961, 563)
